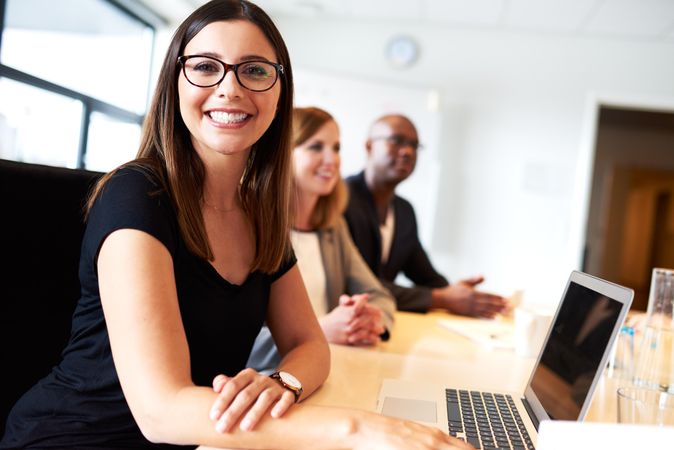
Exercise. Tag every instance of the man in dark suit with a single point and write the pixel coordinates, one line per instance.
(384, 228)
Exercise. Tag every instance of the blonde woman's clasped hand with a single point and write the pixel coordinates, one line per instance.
(353, 322)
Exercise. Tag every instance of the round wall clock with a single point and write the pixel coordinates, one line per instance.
(402, 51)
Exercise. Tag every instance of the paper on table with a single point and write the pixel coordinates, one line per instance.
(563, 435)
(488, 333)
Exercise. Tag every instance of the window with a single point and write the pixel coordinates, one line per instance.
(37, 125)
(74, 80)
(111, 142)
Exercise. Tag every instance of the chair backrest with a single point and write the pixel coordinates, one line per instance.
(41, 228)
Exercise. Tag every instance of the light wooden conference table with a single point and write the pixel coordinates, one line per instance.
(423, 351)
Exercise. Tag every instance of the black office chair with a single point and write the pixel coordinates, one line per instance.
(40, 237)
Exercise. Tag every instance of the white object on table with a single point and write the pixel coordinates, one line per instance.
(563, 435)
(488, 333)
(531, 327)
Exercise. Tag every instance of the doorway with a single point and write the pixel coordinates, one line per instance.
(630, 223)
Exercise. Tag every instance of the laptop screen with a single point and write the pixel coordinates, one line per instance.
(574, 350)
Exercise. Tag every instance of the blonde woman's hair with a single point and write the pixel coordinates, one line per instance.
(306, 122)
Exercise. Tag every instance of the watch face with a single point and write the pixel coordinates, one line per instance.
(290, 380)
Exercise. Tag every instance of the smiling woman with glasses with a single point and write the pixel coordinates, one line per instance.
(208, 71)
(186, 254)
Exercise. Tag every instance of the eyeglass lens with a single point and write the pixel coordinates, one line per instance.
(400, 141)
(204, 71)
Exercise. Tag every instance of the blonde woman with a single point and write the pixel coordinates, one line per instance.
(352, 306)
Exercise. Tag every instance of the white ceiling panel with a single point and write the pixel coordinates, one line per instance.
(385, 9)
(648, 18)
(549, 15)
(304, 8)
(336, 8)
(473, 12)
(621, 19)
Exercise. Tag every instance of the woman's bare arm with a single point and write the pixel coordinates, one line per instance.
(152, 361)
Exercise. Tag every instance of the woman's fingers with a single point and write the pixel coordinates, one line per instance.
(363, 337)
(334, 326)
(219, 382)
(359, 302)
(216, 409)
(359, 323)
(247, 397)
(286, 401)
(370, 320)
(345, 300)
(266, 398)
(232, 389)
(393, 434)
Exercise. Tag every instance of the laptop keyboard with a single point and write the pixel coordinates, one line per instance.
(486, 420)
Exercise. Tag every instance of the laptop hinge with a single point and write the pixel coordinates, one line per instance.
(530, 411)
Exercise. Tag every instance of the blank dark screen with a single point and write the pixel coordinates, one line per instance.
(574, 350)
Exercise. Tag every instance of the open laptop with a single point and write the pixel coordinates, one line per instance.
(569, 365)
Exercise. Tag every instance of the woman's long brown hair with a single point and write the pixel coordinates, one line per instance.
(166, 149)
(306, 123)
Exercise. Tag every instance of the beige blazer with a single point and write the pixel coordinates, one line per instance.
(345, 273)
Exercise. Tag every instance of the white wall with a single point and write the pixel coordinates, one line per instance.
(512, 118)
(339, 95)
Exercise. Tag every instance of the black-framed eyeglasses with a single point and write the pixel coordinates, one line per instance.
(399, 141)
(206, 71)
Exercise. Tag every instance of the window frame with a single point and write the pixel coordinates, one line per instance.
(136, 12)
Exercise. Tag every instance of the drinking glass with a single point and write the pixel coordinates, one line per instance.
(655, 361)
(645, 406)
(621, 363)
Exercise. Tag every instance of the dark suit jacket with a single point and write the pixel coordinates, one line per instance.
(407, 255)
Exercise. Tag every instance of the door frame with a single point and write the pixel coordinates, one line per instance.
(580, 208)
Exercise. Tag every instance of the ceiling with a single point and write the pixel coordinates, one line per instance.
(614, 19)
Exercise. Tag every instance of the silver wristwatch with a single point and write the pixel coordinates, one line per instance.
(289, 382)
